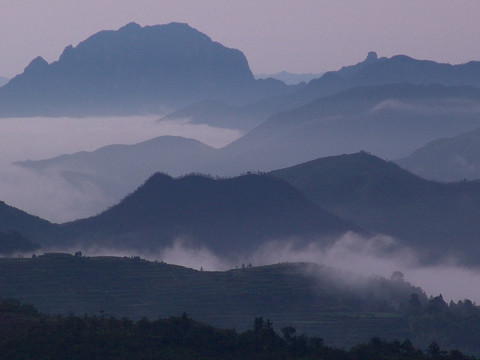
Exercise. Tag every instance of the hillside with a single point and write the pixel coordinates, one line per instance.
(437, 220)
(310, 297)
(22, 231)
(134, 70)
(448, 159)
(230, 217)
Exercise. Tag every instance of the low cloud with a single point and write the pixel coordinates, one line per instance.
(354, 258)
(48, 195)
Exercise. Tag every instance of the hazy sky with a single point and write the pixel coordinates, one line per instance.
(297, 36)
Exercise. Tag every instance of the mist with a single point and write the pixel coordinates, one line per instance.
(47, 194)
(356, 258)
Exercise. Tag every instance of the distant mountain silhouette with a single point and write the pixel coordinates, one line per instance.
(290, 78)
(438, 220)
(228, 216)
(448, 159)
(119, 169)
(397, 69)
(387, 120)
(135, 70)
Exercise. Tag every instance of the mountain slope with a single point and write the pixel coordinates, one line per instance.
(388, 120)
(438, 220)
(134, 70)
(313, 298)
(449, 159)
(228, 216)
(16, 224)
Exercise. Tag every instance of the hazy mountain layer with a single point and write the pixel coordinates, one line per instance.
(119, 169)
(388, 120)
(134, 70)
(438, 220)
(290, 78)
(449, 159)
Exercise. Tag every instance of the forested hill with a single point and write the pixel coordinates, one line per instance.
(103, 337)
(229, 216)
(443, 219)
(341, 308)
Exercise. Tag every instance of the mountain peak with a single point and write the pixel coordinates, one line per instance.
(130, 26)
(371, 56)
(36, 64)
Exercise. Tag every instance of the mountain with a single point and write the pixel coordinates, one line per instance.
(313, 298)
(3, 80)
(448, 159)
(135, 70)
(230, 217)
(397, 69)
(12, 242)
(373, 71)
(118, 169)
(387, 120)
(22, 231)
(290, 78)
(437, 220)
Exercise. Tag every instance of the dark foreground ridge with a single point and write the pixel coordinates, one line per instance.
(25, 333)
(339, 307)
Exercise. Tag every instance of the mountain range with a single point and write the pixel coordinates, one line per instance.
(389, 121)
(373, 71)
(135, 70)
(230, 217)
(326, 197)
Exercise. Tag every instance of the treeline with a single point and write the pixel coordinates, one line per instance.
(27, 334)
(451, 325)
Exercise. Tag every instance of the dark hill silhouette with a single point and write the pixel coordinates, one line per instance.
(448, 159)
(134, 70)
(20, 231)
(228, 216)
(311, 297)
(438, 220)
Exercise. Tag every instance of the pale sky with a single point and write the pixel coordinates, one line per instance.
(297, 36)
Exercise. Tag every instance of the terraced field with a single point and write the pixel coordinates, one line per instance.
(301, 295)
